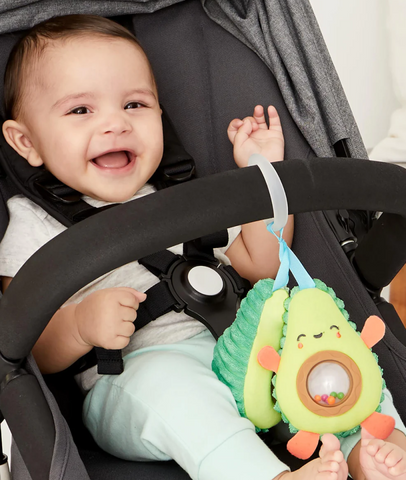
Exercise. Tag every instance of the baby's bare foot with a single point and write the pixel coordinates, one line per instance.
(329, 466)
(381, 460)
(332, 463)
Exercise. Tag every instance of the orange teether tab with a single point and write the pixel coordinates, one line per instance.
(373, 331)
(269, 358)
(303, 444)
(379, 425)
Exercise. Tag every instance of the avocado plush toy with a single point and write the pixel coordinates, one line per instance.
(296, 356)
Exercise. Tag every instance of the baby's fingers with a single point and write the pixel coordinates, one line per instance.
(129, 297)
(233, 128)
(274, 120)
(126, 329)
(259, 117)
(248, 126)
(128, 314)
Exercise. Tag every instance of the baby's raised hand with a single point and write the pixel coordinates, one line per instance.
(105, 317)
(253, 135)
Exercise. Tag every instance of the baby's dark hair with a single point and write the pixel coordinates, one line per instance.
(33, 44)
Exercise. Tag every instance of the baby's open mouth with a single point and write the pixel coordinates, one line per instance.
(113, 159)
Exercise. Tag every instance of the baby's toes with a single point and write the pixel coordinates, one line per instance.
(333, 456)
(374, 446)
(326, 476)
(330, 466)
(394, 457)
(338, 456)
(382, 454)
(398, 469)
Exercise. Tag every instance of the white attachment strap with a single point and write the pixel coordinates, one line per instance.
(276, 191)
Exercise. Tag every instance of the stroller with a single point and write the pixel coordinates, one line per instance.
(202, 86)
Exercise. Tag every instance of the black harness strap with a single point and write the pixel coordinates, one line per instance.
(159, 263)
(109, 362)
(160, 301)
(203, 247)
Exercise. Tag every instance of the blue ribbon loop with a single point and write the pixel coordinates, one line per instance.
(289, 261)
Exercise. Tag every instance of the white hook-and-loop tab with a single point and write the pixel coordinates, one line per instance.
(276, 191)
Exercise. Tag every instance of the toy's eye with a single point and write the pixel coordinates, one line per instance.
(338, 334)
(301, 335)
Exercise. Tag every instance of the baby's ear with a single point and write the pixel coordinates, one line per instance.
(17, 136)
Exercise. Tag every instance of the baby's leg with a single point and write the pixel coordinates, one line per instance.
(381, 460)
(168, 404)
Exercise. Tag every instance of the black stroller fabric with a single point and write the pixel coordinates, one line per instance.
(202, 87)
(299, 60)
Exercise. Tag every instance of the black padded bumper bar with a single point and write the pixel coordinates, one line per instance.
(136, 229)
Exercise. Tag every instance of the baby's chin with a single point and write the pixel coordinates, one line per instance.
(112, 197)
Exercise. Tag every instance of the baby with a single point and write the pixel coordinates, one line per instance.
(81, 100)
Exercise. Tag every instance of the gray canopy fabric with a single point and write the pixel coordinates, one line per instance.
(283, 33)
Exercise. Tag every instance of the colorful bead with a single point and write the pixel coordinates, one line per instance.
(333, 394)
(340, 395)
(324, 397)
(317, 398)
(331, 400)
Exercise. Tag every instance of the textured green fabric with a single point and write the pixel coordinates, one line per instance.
(234, 359)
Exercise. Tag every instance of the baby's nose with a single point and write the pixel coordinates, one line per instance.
(116, 123)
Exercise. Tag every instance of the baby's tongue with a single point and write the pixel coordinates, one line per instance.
(112, 160)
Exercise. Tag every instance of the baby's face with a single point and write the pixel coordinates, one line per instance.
(94, 117)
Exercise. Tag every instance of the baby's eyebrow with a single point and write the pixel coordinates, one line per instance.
(142, 91)
(72, 96)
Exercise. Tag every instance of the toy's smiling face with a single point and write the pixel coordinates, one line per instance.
(302, 336)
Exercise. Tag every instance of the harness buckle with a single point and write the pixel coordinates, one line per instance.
(181, 172)
(213, 302)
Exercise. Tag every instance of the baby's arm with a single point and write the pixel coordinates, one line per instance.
(102, 319)
(254, 253)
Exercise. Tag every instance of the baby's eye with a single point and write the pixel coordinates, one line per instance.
(132, 105)
(80, 110)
